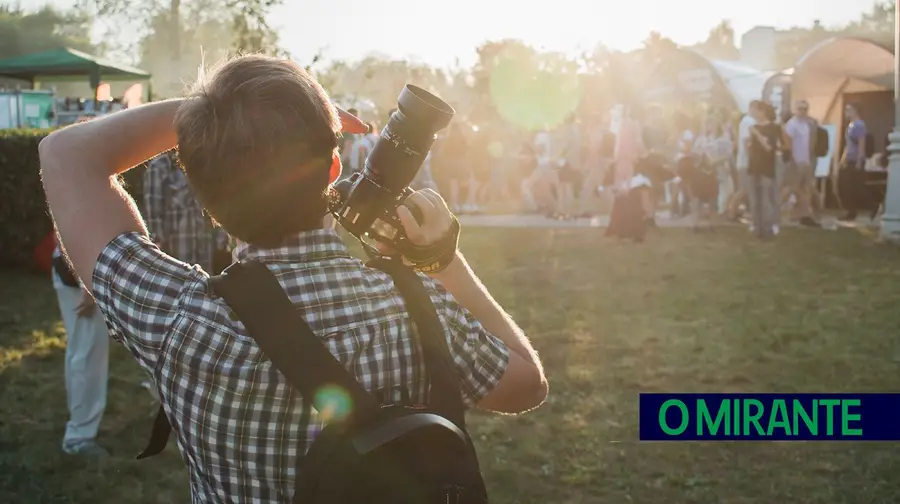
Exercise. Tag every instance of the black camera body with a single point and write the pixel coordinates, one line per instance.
(366, 203)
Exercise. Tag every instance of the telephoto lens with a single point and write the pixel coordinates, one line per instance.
(368, 200)
(407, 138)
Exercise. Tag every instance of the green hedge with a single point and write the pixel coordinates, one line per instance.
(24, 219)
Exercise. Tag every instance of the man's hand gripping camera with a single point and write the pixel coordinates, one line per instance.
(433, 237)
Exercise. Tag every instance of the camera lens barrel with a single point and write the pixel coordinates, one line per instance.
(406, 139)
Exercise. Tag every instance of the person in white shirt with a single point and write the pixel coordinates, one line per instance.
(539, 187)
(801, 132)
(721, 149)
(676, 189)
(87, 360)
(742, 163)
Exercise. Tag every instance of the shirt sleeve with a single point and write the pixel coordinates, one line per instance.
(154, 199)
(791, 128)
(139, 290)
(480, 358)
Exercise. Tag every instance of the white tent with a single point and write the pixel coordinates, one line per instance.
(745, 83)
(727, 82)
(837, 66)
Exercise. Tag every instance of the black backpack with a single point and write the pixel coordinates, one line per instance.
(823, 142)
(400, 454)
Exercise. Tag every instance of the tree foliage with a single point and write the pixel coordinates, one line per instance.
(176, 37)
(238, 25)
(719, 45)
(23, 33)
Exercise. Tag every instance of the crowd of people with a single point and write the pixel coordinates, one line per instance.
(702, 164)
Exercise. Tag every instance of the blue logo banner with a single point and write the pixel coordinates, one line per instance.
(770, 417)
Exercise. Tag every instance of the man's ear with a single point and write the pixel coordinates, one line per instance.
(335, 170)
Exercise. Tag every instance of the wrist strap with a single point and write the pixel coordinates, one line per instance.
(437, 256)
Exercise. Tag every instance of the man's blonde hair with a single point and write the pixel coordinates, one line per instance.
(256, 137)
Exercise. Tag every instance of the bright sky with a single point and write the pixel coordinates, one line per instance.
(351, 29)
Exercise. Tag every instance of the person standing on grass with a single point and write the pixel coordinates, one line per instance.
(801, 131)
(452, 162)
(242, 428)
(175, 219)
(720, 151)
(540, 188)
(765, 144)
(87, 360)
(742, 162)
(600, 151)
(851, 178)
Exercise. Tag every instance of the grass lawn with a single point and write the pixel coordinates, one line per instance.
(815, 311)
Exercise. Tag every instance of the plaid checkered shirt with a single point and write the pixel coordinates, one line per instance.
(241, 429)
(174, 218)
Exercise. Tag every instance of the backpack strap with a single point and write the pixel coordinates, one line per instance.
(267, 313)
(446, 395)
(271, 319)
(256, 297)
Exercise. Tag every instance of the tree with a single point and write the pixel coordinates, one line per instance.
(208, 41)
(719, 45)
(47, 29)
(373, 84)
(171, 26)
(657, 47)
(877, 24)
(796, 42)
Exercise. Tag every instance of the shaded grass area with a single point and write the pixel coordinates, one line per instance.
(812, 312)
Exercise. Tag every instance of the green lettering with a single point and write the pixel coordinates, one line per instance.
(779, 409)
(829, 414)
(662, 417)
(812, 424)
(736, 422)
(752, 418)
(704, 418)
(847, 417)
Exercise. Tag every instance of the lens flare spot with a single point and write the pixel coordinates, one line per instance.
(333, 403)
(533, 93)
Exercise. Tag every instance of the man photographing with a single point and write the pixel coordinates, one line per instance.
(258, 142)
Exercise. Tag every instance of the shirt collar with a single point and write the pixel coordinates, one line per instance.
(316, 245)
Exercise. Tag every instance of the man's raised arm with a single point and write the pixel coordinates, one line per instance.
(79, 165)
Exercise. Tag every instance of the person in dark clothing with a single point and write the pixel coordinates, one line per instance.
(765, 143)
(628, 219)
(852, 177)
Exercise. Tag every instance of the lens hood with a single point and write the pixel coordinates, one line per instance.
(425, 108)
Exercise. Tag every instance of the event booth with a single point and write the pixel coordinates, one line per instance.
(26, 108)
(686, 75)
(846, 70)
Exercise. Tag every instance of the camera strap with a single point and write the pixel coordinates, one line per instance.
(436, 257)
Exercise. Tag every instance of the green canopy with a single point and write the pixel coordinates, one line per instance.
(67, 64)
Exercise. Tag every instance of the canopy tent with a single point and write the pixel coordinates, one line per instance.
(777, 92)
(690, 75)
(745, 83)
(67, 64)
(841, 66)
